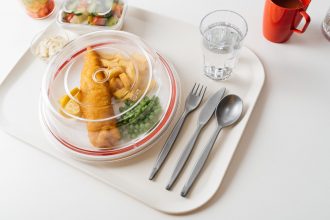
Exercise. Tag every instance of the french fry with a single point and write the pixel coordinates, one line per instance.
(141, 62)
(113, 85)
(120, 57)
(123, 63)
(119, 83)
(139, 58)
(130, 70)
(125, 80)
(128, 96)
(120, 93)
(109, 63)
(108, 56)
(115, 72)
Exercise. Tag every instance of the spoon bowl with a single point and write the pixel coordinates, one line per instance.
(229, 110)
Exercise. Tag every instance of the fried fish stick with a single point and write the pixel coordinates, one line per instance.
(96, 104)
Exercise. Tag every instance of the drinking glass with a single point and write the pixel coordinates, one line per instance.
(326, 25)
(223, 32)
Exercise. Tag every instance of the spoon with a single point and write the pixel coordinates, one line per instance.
(227, 113)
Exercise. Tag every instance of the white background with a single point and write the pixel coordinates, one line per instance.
(281, 169)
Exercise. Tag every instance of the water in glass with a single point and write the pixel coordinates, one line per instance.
(221, 43)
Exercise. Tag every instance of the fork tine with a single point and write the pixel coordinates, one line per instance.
(200, 91)
(204, 91)
(192, 91)
(196, 90)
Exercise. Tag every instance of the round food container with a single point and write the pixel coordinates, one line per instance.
(107, 96)
(39, 9)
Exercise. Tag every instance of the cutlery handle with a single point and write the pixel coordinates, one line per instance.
(168, 145)
(200, 163)
(184, 157)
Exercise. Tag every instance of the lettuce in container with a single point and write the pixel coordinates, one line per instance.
(97, 13)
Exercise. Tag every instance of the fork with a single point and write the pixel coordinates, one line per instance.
(192, 102)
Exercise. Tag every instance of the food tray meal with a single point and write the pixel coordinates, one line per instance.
(131, 175)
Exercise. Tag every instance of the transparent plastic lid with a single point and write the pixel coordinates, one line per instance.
(97, 7)
(93, 12)
(106, 90)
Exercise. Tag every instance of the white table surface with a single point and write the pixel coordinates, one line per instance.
(281, 169)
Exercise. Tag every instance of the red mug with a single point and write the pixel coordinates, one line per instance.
(282, 17)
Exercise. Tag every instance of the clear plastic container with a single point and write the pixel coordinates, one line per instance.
(49, 42)
(39, 9)
(107, 96)
(84, 16)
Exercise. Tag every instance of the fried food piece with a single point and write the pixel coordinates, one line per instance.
(96, 104)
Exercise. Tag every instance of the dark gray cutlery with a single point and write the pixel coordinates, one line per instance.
(204, 117)
(228, 112)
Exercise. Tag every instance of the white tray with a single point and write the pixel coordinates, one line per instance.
(180, 42)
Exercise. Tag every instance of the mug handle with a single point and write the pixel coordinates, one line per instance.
(307, 21)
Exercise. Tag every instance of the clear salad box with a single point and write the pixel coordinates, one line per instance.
(84, 16)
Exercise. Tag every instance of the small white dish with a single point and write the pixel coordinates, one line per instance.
(41, 37)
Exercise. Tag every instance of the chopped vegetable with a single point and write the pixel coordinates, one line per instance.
(141, 118)
(93, 12)
(65, 99)
(73, 108)
(39, 8)
(112, 21)
(100, 21)
(69, 105)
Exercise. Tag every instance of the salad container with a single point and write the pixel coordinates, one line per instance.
(39, 9)
(107, 96)
(84, 16)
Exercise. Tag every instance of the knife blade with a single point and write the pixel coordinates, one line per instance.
(210, 106)
(204, 116)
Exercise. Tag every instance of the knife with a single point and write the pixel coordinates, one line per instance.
(204, 117)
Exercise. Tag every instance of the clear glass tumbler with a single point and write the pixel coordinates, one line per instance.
(223, 32)
(326, 25)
